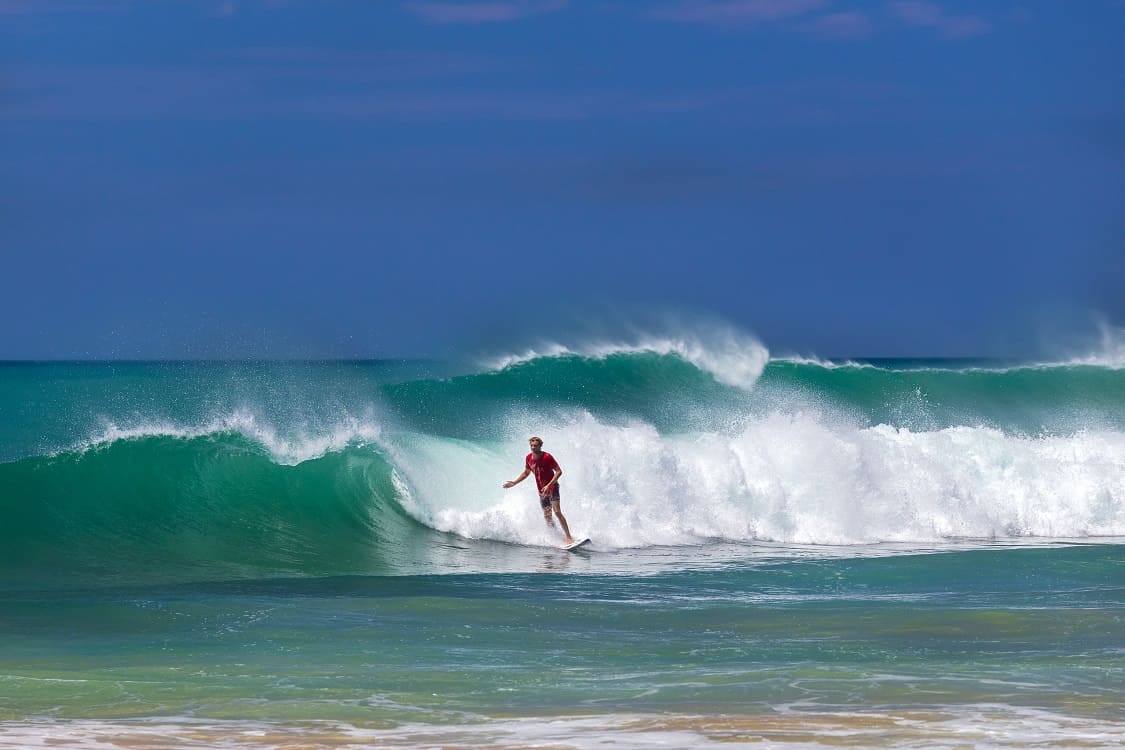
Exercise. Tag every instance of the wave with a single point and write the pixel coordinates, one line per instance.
(676, 396)
(219, 505)
(661, 389)
(952, 366)
(1017, 400)
(732, 357)
(165, 507)
(230, 471)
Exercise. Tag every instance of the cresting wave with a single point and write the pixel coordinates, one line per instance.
(731, 357)
(285, 450)
(166, 508)
(216, 504)
(657, 450)
(737, 359)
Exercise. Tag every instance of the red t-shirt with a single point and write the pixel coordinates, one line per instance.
(543, 469)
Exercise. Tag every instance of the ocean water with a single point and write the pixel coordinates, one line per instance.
(787, 552)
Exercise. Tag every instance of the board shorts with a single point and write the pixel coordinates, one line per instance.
(546, 500)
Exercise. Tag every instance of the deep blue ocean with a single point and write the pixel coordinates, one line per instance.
(786, 552)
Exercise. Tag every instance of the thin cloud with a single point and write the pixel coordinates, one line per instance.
(28, 7)
(239, 92)
(843, 25)
(737, 13)
(365, 64)
(925, 15)
(483, 12)
(43, 7)
(311, 84)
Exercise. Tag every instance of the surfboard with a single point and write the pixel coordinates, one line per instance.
(576, 544)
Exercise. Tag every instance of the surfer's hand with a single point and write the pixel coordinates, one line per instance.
(509, 484)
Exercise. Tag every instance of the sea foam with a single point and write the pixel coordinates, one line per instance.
(807, 727)
(797, 478)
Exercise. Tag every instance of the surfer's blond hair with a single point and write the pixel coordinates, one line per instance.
(535, 439)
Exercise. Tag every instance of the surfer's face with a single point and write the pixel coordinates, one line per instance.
(535, 446)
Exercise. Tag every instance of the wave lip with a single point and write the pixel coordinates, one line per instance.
(286, 450)
(733, 358)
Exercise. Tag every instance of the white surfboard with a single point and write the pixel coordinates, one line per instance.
(576, 544)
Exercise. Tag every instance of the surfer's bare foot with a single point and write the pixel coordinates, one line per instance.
(569, 541)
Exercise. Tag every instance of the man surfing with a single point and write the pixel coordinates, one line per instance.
(547, 472)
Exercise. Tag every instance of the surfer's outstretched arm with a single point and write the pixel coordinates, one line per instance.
(518, 479)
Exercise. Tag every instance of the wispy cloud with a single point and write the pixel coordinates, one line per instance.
(256, 89)
(926, 15)
(736, 13)
(482, 12)
(821, 18)
(28, 7)
(324, 84)
(364, 64)
(842, 25)
(41, 7)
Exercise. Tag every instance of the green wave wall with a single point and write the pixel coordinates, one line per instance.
(212, 506)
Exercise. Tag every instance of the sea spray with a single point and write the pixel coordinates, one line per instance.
(785, 478)
(731, 356)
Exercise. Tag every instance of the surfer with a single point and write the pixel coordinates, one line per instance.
(547, 472)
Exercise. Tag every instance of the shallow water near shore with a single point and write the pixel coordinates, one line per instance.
(895, 649)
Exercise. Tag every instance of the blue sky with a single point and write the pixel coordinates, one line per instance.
(376, 178)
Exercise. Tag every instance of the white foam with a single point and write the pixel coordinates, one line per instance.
(985, 726)
(732, 357)
(284, 448)
(890, 366)
(809, 359)
(793, 478)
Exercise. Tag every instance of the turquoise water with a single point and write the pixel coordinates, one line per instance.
(801, 554)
